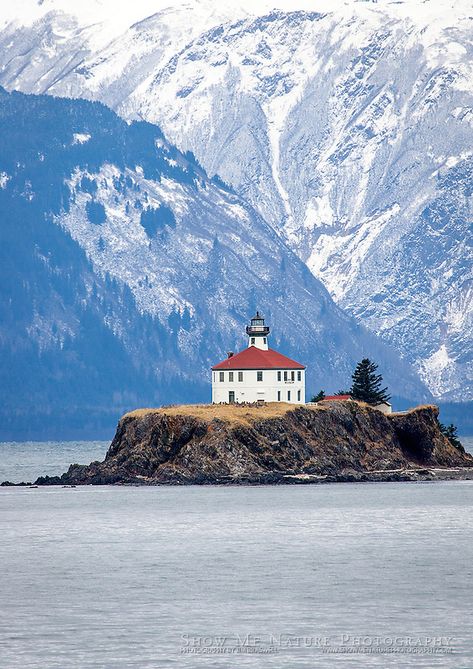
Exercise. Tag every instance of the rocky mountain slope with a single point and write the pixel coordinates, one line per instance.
(347, 129)
(328, 117)
(274, 444)
(126, 273)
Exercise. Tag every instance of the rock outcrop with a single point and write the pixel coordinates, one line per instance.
(341, 441)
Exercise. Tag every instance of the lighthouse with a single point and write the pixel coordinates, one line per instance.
(258, 332)
(258, 373)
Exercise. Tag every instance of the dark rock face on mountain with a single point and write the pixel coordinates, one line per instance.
(273, 444)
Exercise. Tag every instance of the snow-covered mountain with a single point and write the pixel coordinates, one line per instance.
(126, 273)
(348, 129)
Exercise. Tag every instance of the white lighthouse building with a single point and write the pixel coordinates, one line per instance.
(258, 372)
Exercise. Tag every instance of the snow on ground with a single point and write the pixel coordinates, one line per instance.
(341, 195)
(437, 369)
(80, 137)
(4, 179)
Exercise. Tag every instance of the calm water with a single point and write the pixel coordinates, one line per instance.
(25, 461)
(222, 577)
(96, 577)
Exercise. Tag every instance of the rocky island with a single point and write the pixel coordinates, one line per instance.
(273, 443)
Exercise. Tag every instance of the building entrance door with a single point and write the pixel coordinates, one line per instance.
(231, 396)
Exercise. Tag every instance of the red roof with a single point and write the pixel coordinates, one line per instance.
(337, 397)
(255, 358)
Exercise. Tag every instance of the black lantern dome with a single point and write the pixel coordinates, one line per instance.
(257, 328)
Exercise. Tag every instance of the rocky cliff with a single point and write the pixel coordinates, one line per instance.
(339, 441)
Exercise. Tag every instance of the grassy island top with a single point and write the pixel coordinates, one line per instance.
(241, 413)
(229, 412)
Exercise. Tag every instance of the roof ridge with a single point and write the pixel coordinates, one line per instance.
(253, 357)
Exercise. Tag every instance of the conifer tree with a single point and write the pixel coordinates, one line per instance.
(319, 397)
(450, 431)
(366, 385)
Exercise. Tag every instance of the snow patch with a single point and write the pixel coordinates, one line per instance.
(80, 137)
(319, 212)
(454, 160)
(336, 260)
(436, 370)
(4, 179)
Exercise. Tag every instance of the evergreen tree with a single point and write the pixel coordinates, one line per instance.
(366, 385)
(319, 397)
(450, 431)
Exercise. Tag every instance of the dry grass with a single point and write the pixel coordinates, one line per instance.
(413, 409)
(422, 406)
(233, 413)
(239, 413)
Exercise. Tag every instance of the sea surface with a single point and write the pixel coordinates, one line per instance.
(25, 461)
(231, 577)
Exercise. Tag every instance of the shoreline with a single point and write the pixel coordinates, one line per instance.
(421, 475)
(278, 444)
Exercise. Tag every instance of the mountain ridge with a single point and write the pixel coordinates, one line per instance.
(327, 123)
(127, 272)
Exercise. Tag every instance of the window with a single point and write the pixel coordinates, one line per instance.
(259, 376)
(288, 395)
(299, 375)
(230, 377)
(222, 376)
(252, 341)
(264, 340)
(279, 376)
(285, 376)
(298, 395)
(293, 376)
(279, 395)
(240, 376)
